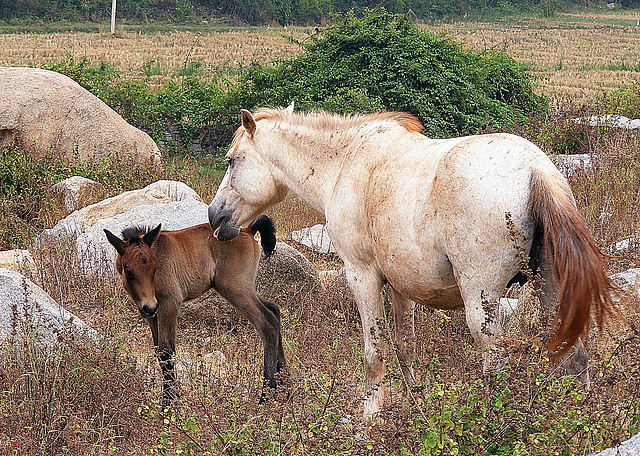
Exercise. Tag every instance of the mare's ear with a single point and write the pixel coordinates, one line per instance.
(152, 235)
(248, 122)
(289, 109)
(114, 241)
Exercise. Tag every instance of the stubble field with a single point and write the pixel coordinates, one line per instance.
(575, 56)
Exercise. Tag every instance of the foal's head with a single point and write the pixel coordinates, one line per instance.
(136, 265)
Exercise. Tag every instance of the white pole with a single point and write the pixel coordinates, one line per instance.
(113, 16)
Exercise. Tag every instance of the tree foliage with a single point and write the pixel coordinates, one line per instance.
(383, 62)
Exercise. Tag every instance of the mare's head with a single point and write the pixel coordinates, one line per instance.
(249, 186)
(136, 266)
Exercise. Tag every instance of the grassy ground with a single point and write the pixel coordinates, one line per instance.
(104, 399)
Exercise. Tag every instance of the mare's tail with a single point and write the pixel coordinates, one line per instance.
(577, 263)
(264, 225)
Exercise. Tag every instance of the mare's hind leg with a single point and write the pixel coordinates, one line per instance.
(481, 285)
(405, 336)
(481, 312)
(576, 362)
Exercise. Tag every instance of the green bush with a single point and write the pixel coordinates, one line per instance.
(382, 61)
(625, 102)
(97, 79)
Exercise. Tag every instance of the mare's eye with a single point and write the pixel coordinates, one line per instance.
(229, 160)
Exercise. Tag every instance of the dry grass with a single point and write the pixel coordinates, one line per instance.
(162, 54)
(575, 56)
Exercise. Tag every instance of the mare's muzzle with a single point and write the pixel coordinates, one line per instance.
(220, 221)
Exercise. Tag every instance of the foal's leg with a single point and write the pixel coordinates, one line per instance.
(366, 285)
(165, 341)
(405, 336)
(265, 317)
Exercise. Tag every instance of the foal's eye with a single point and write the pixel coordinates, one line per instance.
(128, 273)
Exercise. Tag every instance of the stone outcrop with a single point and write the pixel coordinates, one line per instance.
(316, 238)
(77, 192)
(26, 311)
(44, 111)
(149, 206)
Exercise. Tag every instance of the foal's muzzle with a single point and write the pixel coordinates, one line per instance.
(148, 311)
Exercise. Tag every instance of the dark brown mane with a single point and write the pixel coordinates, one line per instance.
(134, 234)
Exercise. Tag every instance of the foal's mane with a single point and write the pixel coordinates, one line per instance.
(330, 122)
(134, 234)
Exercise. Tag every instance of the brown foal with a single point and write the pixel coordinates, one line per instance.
(162, 269)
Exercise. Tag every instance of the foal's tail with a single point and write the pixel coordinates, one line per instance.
(264, 225)
(578, 265)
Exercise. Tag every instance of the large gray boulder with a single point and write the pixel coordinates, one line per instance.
(629, 447)
(27, 311)
(43, 111)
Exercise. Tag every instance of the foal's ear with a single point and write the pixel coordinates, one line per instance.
(152, 235)
(289, 109)
(248, 122)
(114, 241)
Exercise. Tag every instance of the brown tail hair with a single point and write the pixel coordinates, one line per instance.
(577, 263)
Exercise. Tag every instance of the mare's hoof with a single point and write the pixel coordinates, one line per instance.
(494, 361)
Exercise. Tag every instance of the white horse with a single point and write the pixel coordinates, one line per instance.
(447, 223)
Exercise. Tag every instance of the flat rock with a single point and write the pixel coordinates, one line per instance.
(630, 447)
(316, 238)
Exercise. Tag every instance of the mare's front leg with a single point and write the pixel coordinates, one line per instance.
(163, 330)
(366, 283)
(405, 336)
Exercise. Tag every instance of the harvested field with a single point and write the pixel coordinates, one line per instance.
(573, 56)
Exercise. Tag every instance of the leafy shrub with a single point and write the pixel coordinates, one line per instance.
(95, 78)
(625, 102)
(382, 61)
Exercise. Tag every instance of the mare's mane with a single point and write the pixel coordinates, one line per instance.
(330, 122)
